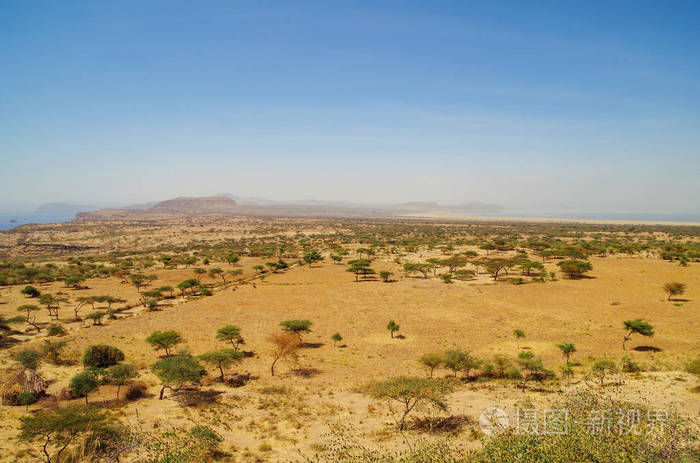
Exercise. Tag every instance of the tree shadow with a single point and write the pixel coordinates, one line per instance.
(311, 345)
(440, 424)
(305, 372)
(648, 349)
(675, 299)
(399, 336)
(195, 397)
(248, 353)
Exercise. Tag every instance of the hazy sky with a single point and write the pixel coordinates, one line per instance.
(584, 105)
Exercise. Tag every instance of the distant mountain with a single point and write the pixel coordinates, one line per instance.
(187, 205)
(227, 204)
(475, 206)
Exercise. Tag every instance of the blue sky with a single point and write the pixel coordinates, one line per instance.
(591, 106)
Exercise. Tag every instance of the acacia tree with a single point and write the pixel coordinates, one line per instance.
(175, 372)
(297, 327)
(574, 269)
(519, 334)
(164, 340)
(223, 358)
(360, 267)
(214, 272)
(336, 338)
(232, 258)
(411, 392)
(121, 375)
(385, 275)
(285, 345)
(602, 368)
(83, 384)
(312, 256)
(60, 427)
(636, 326)
(674, 289)
(567, 349)
(232, 334)
(392, 327)
(432, 361)
(31, 321)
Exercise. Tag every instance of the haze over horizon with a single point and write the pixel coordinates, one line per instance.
(554, 105)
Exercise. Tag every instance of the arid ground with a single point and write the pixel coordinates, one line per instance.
(290, 415)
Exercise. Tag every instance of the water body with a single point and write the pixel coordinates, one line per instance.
(23, 219)
(632, 216)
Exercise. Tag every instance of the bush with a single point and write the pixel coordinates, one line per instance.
(102, 356)
(28, 359)
(629, 365)
(30, 291)
(136, 391)
(56, 330)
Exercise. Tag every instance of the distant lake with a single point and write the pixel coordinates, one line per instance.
(640, 216)
(23, 219)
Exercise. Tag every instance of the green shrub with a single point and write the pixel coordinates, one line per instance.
(102, 356)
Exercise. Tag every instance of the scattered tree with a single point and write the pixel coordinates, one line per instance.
(432, 361)
(636, 326)
(83, 384)
(336, 338)
(232, 334)
(297, 327)
(392, 327)
(60, 427)
(177, 371)
(567, 349)
(411, 392)
(221, 359)
(164, 340)
(121, 375)
(285, 345)
(674, 289)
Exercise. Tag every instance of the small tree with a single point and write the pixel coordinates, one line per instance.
(28, 358)
(432, 361)
(214, 272)
(636, 326)
(574, 269)
(412, 392)
(96, 317)
(121, 375)
(567, 349)
(297, 327)
(83, 384)
(519, 334)
(164, 340)
(385, 275)
(392, 327)
(602, 368)
(674, 289)
(232, 334)
(360, 267)
(175, 372)
(31, 321)
(60, 427)
(102, 356)
(446, 278)
(26, 398)
(221, 359)
(232, 258)
(312, 256)
(336, 338)
(285, 345)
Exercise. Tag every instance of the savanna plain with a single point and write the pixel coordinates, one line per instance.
(254, 339)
